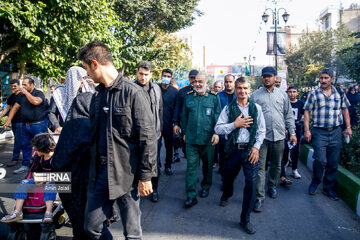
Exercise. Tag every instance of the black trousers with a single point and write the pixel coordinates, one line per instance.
(168, 140)
(230, 169)
(99, 209)
(155, 180)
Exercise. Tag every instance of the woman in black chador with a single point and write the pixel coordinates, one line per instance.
(72, 152)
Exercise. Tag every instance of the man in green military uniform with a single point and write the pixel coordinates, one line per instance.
(200, 113)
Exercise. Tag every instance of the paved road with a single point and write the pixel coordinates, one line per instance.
(293, 215)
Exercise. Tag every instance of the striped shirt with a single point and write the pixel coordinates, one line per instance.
(326, 111)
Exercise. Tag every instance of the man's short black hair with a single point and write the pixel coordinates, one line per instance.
(293, 87)
(31, 81)
(13, 81)
(242, 80)
(43, 142)
(327, 71)
(146, 65)
(95, 50)
(229, 75)
(166, 70)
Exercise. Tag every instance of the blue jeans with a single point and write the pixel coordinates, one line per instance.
(26, 186)
(230, 169)
(327, 147)
(27, 134)
(16, 128)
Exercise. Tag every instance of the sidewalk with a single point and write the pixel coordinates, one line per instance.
(293, 215)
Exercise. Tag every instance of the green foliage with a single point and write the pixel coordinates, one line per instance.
(313, 52)
(349, 56)
(350, 153)
(148, 26)
(44, 36)
(49, 34)
(3, 120)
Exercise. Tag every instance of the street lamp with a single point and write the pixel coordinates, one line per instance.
(275, 15)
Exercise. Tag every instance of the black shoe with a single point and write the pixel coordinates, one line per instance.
(258, 206)
(168, 171)
(204, 193)
(248, 227)
(190, 202)
(330, 194)
(313, 188)
(155, 196)
(272, 193)
(223, 201)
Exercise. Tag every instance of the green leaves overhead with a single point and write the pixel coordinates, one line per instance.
(44, 36)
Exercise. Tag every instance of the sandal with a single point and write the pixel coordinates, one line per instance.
(13, 217)
(48, 217)
(285, 181)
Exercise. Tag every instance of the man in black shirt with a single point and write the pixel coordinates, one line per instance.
(32, 109)
(179, 103)
(143, 76)
(16, 121)
(123, 146)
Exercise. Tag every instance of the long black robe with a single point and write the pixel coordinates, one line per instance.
(72, 154)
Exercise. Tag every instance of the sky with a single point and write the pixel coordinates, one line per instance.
(232, 29)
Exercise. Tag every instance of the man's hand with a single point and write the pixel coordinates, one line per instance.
(254, 155)
(215, 139)
(243, 122)
(23, 90)
(307, 135)
(176, 129)
(58, 130)
(7, 123)
(184, 138)
(145, 188)
(293, 139)
(348, 131)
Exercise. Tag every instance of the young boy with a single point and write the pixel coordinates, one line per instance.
(298, 110)
(44, 145)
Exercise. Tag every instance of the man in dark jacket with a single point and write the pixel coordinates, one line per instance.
(123, 145)
(179, 104)
(143, 76)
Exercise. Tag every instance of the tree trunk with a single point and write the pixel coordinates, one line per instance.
(6, 52)
(22, 70)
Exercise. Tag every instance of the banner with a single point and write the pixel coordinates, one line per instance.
(281, 43)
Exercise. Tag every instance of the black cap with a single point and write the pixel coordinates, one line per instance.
(193, 73)
(268, 71)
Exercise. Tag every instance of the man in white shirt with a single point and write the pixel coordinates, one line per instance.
(242, 121)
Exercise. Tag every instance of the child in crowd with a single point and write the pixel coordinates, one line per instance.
(298, 110)
(44, 145)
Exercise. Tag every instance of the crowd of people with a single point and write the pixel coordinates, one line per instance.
(112, 129)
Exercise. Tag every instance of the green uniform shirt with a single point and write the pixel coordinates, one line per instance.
(199, 116)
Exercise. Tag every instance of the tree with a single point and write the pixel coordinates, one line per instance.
(350, 57)
(44, 37)
(313, 52)
(148, 23)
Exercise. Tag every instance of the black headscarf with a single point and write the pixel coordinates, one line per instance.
(353, 98)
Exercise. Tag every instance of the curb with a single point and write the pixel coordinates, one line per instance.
(347, 185)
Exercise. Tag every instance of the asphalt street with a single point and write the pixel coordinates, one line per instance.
(293, 215)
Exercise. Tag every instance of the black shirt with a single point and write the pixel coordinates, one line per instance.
(179, 103)
(230, 97)
(169, 97)
(13, 98)
(298, 110)
(41, 165)
(103, 118)
(30, 112)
